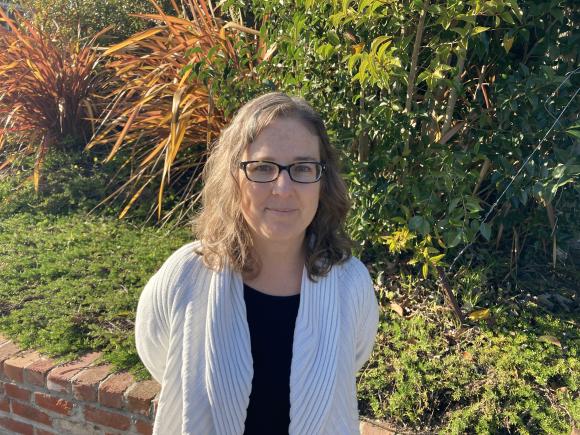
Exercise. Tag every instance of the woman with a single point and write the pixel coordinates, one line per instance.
(260, 326)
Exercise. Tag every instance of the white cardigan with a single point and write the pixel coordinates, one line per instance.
(192, 335)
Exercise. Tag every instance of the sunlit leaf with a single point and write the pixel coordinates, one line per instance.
(479, 314)
(397, 309)
(507, 43)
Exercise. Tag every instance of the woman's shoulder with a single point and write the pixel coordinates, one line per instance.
(187, 254)
(181, 264)
(355, 270)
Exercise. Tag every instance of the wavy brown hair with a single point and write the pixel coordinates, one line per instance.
(224, 234)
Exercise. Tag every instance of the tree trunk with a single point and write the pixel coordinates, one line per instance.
(453, 94)
(415, 58)
(363, 139)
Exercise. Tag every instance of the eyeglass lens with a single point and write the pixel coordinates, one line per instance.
(264, 172)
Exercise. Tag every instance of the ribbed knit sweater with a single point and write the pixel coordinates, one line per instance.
(192, 335)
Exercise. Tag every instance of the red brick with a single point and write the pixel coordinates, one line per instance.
(85, 385)
(140, 395)
(31, 413)
(59, 378)
(13, 367)
(35, 373)
(4, 404)
(7, 350)
(54, 404)
(43, 432)
(155, 405)
(16, 426)
(107, 418)
(17, 392)
(111, 390)
(144, 427)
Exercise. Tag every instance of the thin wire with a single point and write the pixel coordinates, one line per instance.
(567, 77)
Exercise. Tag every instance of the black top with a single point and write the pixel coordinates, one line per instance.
(271, 320)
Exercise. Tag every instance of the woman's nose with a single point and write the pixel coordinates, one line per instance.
(282, 184)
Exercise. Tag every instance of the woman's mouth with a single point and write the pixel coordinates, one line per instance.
(281, 210)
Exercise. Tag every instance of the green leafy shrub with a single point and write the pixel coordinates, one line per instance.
(73, 20)
(436, 107)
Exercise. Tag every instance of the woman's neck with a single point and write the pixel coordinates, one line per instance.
(281, 268)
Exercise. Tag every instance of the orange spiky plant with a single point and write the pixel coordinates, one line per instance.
(46, 92)
(161, 116)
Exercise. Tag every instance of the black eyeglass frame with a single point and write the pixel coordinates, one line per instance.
(244, 165)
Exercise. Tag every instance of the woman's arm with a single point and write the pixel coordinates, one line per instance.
(367, 314)
(154, 310)
(152, 325)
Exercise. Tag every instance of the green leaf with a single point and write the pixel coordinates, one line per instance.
(472, 205)
(453, 204)
(461, 30)
(378, 41)
(353, 60)
(485, 230)
(454, 239)
(419, 224)
(479, 29)
(507, 17)
(423, 76)
(559, 171)
(333, 37)
(437, 258)
(325, 51)
(507, 43)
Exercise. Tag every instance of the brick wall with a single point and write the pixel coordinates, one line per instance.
(40, 397)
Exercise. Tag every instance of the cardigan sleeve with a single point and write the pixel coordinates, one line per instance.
(154, 310)
(368, 314)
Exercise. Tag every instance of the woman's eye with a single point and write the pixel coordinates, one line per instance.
(263, 168)
(303, 168)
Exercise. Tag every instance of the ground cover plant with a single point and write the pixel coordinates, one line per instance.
(70, 280)
(511, 369)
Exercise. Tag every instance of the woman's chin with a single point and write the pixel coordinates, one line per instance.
(281, 235)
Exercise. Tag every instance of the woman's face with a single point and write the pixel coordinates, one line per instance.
(281, 210)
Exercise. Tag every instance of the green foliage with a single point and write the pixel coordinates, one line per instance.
(431, 140)
(435, 107)
(426, 375)
(71, 20)
(63, 287)
(490, 78)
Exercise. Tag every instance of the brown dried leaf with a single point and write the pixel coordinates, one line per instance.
(550, 339)
(397, 309)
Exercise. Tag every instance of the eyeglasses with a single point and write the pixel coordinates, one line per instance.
(261, 171)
